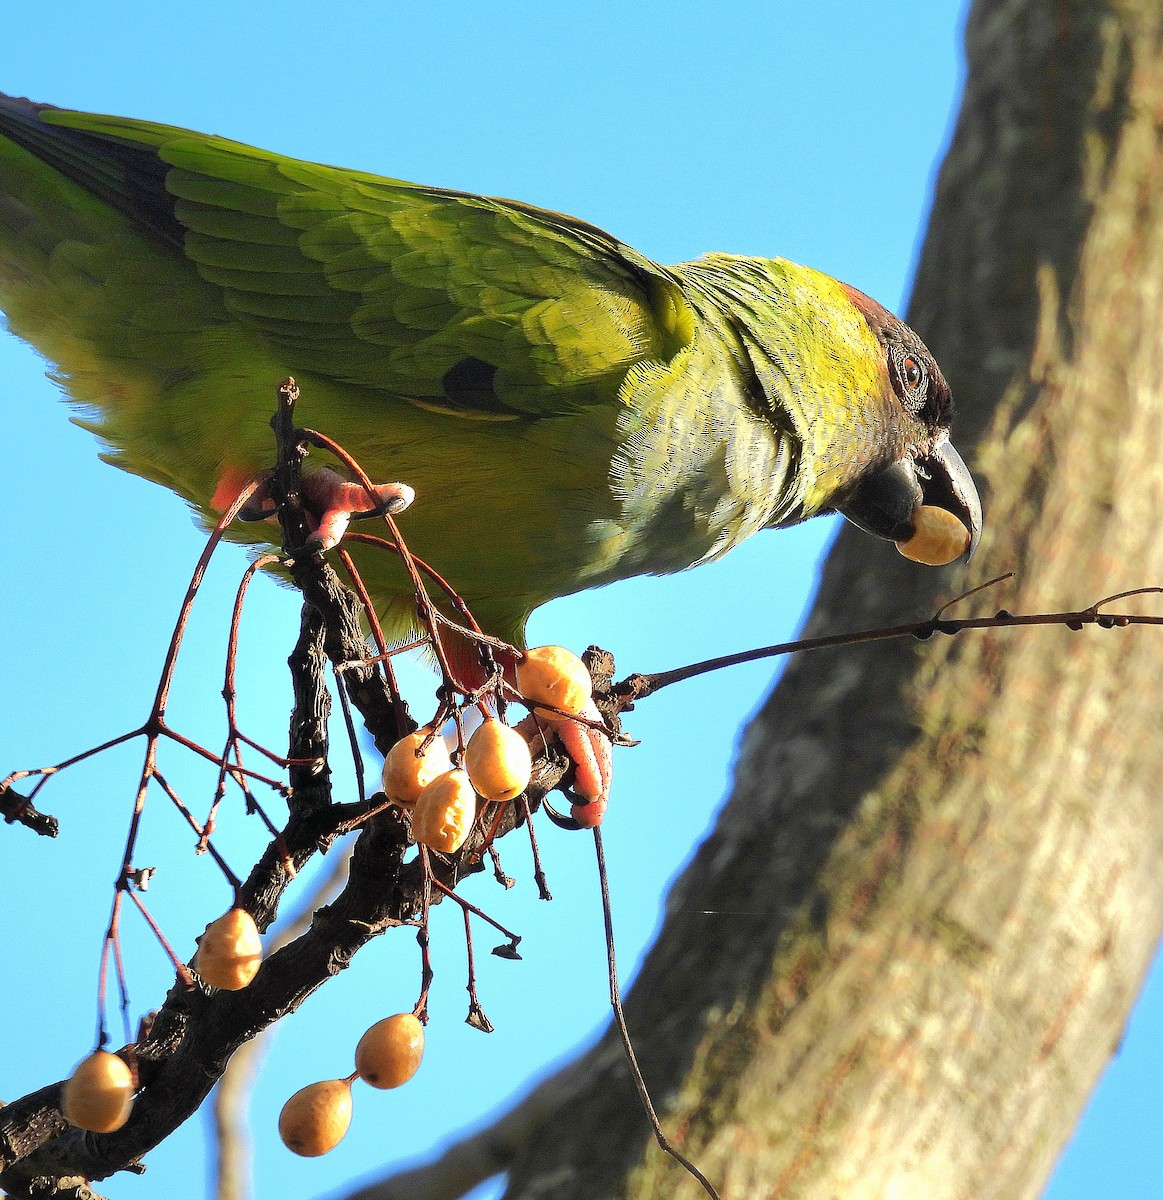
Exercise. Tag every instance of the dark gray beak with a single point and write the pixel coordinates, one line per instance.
(885, 502)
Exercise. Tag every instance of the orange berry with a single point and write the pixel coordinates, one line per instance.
(316, 1117)
(938, 539)
(407, 774)
(99, 1094)
(389, 1053)
(445, 812)
(554, 675)
(229, 952)
(498, 761)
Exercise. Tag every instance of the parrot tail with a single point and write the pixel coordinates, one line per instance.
(128, 175)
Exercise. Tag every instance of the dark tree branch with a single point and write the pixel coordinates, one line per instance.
(195, 1032)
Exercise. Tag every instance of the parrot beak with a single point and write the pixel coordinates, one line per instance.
(884, 504)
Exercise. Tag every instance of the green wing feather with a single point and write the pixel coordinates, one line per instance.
(568, 411)
(477, 348)
(438, 297)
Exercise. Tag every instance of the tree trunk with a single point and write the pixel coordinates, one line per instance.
(909, 947)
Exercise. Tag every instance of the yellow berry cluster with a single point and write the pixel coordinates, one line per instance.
(418, 771)
(442, 799)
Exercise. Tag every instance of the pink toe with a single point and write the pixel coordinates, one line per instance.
(590, 751)
(589, 815)
(588, 748)
(337, 499)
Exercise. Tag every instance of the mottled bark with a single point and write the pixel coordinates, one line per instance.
(951, 848)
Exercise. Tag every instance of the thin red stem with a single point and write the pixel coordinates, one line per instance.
(203, 836)
(624, 1032)
(478, 912)
(167, 676)
(179, 966)
(373, 621)
(103, 967)
(46, 773)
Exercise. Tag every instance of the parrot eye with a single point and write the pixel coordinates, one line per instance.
(911, 379)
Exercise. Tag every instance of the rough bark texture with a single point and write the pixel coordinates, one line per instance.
(951, 847)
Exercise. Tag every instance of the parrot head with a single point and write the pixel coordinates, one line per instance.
(929, 472)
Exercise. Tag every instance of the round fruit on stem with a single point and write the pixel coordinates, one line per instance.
(315, 1119)
(555, 676)
(229, 952)
(98, 1096)
(498, 761)
(445, 812)
(408, 769)
(389, 1053)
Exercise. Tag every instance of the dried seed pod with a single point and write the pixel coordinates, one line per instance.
(315, 1119)
(389, 1053)
(229, 952)
(554, 675)
(406, 773)
(938, 539)
(445, 812)
(498, 761)
(99, 1094)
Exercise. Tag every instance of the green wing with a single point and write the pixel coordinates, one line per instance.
(462, 303)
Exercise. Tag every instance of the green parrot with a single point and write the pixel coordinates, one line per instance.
(568, 412)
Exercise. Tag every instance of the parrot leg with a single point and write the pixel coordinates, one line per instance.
(590, 751)
(338, 500)
(331, 502)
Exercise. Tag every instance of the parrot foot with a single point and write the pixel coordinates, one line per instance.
(331, 502)
(338, 501)
(590, 751)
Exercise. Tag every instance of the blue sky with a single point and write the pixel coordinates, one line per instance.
(804, 131)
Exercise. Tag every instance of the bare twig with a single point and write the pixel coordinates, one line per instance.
(624, 1033)
(638, 686)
